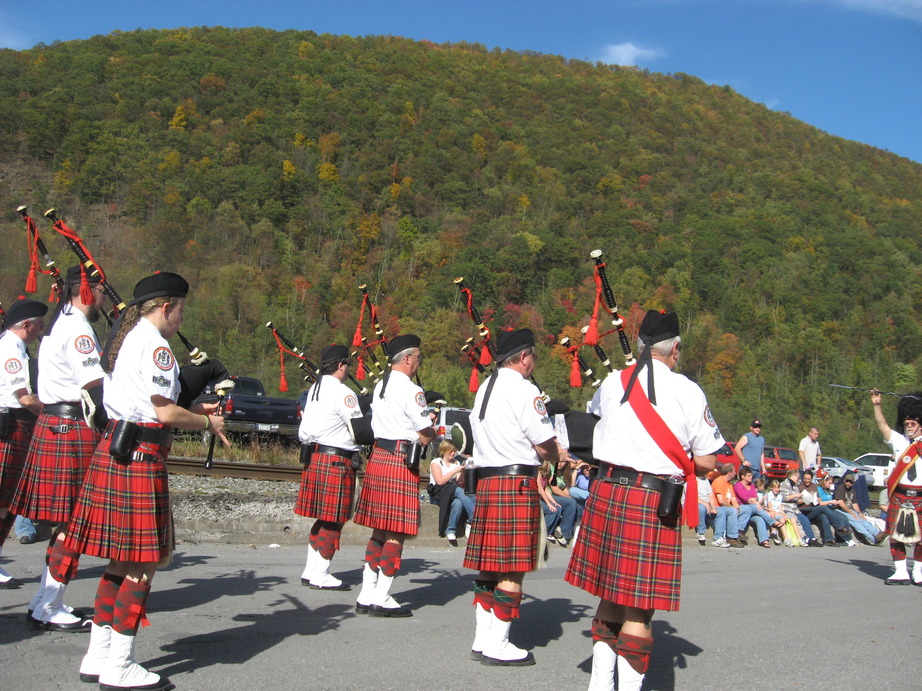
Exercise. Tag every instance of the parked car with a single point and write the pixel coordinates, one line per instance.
(778, 461)
(878, 462)
(448, 416)
(837, 467)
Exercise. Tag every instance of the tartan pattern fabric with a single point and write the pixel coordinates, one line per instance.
(506, 604)
(62, 562)
(106, 592)
(483, 594)
(326, 538)
(124, 512)
(505, 527)
(373, 553)
(389, 499)
(896, 500)
(326, 490)
(13, 451)
(606, 632)
(636, 650)
(55, 467)
(130, 610)
(625, 553)
(389, 563)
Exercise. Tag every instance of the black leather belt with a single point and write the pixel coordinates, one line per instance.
(908, 491)
(71, 411)
(148, 435)
(620, 475)
(518, 469)
(395, 446)
(333, 451)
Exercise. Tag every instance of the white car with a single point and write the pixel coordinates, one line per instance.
(878, 462)
(838, 467)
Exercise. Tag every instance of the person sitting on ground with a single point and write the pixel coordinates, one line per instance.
(575, 475)
(790, 497)
(447, 490)
(773, 503)
(561, 482)
(726, 521)
(832, 525)
(707, 509)
(857, 522)
(751, 510)
(559, 510)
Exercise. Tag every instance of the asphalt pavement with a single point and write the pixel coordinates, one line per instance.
(234, 616)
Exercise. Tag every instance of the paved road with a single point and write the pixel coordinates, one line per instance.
(227, 617)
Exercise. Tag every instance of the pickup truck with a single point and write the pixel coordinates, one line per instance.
(249, 411)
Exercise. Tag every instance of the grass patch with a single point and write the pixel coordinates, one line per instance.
(242, 450)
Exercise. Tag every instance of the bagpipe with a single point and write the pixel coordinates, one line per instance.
(363, 347)
(311, 371)
(37, 246)
(193, 378)
(591, 335)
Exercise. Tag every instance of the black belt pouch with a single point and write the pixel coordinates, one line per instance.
(123, 438)
(6, 422)
(414, 455)
(670, 498)
(306, 451)
(470, 481)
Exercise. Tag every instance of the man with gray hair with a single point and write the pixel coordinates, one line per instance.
(19, 407)
(654, 436)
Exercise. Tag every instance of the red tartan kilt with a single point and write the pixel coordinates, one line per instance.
(624, 552)
(14, 448)
(124, 512)
(327, 487)
(896, 500)
(506, 525)
(389, 499)
(55, 468)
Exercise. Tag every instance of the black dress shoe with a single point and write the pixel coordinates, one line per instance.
(361, 609)
(897, 581)
(80, 626)
(394, 612)
(11, 584)
(521, 662)
(341, 586)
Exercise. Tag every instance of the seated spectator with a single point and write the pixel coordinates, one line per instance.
(575, 473)
(562, 479)
(842, 499)
(726, 521)
(447, 490)
(790, 495)
(823, 516)
(773, 503)
(750, 509)
(559, 509)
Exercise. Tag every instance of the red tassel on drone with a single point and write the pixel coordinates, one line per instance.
(576, 377)
(474, 382)
(360, 369)
(283, 382)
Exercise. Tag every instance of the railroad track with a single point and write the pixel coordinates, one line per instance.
(196, 466)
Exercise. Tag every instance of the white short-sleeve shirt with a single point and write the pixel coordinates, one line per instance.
(326, 420)
(621, 439)
(68, 358)
(899, 443)
(401, 414)
(15, 374)
(515, 420)
(145, 367)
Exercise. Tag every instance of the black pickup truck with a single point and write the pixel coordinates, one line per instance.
(248, 411)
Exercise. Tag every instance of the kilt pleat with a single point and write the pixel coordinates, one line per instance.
(123, 512)
(625, 553)
(506, 525)
(893, 511)
(389, 499)
(55, 468)
(326, 490)
(14, 448)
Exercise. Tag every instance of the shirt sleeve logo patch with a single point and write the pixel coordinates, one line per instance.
(161, 381)
(708, 418)
(12, 366)
(85, 345)
(421, 399)
(350, 401)
(539, 406)
(163, 358)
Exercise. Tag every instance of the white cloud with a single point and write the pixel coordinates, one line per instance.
(629, 54)
(907, 9)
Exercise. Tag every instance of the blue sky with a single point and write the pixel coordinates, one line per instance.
(852, 68)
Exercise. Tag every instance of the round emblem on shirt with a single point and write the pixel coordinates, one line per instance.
(539, 406)
(421, 399)
(85, 345)
(350, 401)
(12, 366)
(163, 358)
(708, 418)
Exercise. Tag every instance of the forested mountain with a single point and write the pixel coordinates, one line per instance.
(279, 170)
